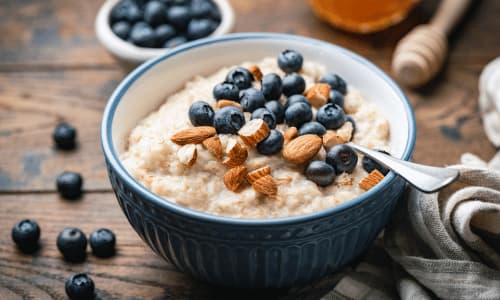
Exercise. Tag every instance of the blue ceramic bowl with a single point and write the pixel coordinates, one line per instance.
(252, 252)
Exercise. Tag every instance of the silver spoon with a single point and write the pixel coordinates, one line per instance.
(425, 178)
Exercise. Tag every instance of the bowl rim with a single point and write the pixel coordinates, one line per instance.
(129, 52)
(114, 161)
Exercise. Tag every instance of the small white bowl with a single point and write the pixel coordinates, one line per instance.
(134, 55)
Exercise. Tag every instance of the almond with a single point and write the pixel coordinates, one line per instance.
(236, 154)
(256, 72)
(266, 185)
(290, 134)
(187, 154)
(214, 146)
(254, 131)
(193, 135)
(224, 102)
(318, 94)
(371, 180)
(235, 177)
(331, 138)
(345, 132)
(303, 148)
(258, 173)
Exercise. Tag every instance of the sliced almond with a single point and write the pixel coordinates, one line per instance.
(339, 136)
(253, 132)
(302, 149)
(256, 72)
(258, 173)
(214, 146)
(345, 132)
(224, 102)
(236, 154)
(290, 134)
(371, 180)
(266, 185)
(235, 177)
(187, 154)
(193, 135)
(318, 94)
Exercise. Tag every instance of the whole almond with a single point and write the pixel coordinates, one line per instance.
(318, 94)
(290, 134)
(345, 132)
(236, 154)
(224, 102)
(187, 154)
(193, 135)
(266, 186)
(235, 177)
(258, 173)
(256, 72)
(214, 146)
(253, 132)
(302, 149)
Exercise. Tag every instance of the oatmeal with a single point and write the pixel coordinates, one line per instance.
(262, 172)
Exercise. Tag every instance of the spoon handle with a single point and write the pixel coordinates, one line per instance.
(425, 178)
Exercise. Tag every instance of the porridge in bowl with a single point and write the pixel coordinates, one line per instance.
(264, 139)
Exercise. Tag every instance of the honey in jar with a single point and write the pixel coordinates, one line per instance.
(362, 16)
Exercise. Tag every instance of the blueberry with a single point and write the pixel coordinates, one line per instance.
(102, 241)
(121, 29)
(241, 77)
(295, 99)
(297, 114)
(164, 33)
(64, 136)
(179, 16)
(201, 9)
(266, 115)
(335, 81)
(331, 116)
(351, 119)
(320, 173)
(143, 35)
(26, 234)
(342, 158)
(369, 164)
(80, 287)
(290, 61)
(199, 28)
(251, 99)
(336, 97)
(69, 185)
(201, 114)
(228, 119)
(134, 14)
(155, 13)
(293, 83)
(175, 41)
(312, 128)
(277, 109)
(72, 244)
(271, 86)
(226, 90)
(272, 144)
(121, 11)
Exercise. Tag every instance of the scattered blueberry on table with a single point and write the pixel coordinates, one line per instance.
(69, 185)
(102, 241)
(26, 234)
(64, 136)
(80, 287)
(163, 24)
(72, 243)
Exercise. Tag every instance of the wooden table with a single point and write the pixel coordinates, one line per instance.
(52, 68)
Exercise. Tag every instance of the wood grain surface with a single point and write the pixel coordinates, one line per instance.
(52, 68)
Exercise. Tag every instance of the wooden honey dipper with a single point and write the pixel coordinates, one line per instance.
(421, 53)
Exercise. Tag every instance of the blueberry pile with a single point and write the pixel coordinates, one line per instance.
(163, 23)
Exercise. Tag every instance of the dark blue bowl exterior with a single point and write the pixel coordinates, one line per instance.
(258, 256)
